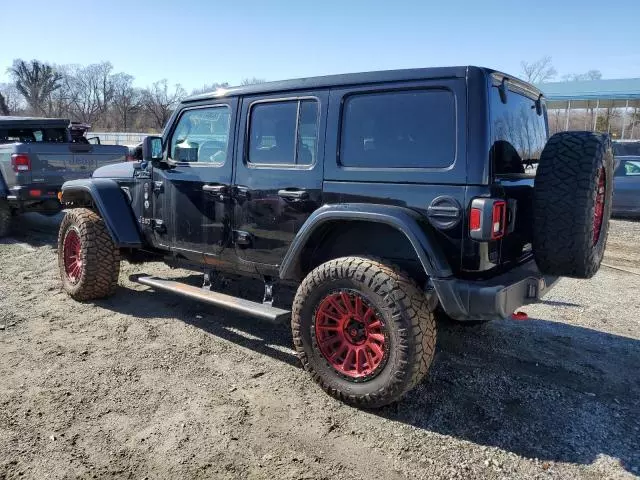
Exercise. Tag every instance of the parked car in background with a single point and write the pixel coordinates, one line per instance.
(37, 155)
(626, 193)
(624, 148)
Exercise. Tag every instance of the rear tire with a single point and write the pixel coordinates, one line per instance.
(5, 218)
(88, 260)
(572, 204)
(363, 330)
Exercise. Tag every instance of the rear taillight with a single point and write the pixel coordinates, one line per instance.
(20, 163)
(499, 219)
(475, 219)
(487, 219)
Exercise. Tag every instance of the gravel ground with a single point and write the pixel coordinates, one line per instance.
(148, 385)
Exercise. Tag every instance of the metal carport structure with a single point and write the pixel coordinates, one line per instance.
(592, 96)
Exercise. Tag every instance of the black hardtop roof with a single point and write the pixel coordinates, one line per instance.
(346, 79)
(335, 81)
(25, 122)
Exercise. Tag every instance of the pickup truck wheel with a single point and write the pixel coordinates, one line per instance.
(88, 260)
(572, 204)
(363, 330)
(5, 218)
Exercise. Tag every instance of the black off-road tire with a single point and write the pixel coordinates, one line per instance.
(397, 300)
(100, 257)
(5, 218)
(565, 193)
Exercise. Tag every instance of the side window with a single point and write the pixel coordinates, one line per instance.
(402, 129)
(202, 135)
(283, 133)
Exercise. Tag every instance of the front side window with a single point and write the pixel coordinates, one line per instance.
(202, 135)
(401, 129)
(284, 133)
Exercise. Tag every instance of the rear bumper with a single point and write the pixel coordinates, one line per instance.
(34, 198)
(496, 298)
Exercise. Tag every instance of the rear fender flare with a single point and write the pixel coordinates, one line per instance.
(405, 220)
(112, 205)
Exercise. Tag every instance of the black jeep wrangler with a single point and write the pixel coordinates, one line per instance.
(386, 198)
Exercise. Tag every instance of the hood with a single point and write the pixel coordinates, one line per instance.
(117, 170)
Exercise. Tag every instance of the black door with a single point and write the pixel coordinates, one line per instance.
(191, 197)
(278, 178)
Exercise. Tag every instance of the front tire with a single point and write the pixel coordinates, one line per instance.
(363, 330)
(88, 260)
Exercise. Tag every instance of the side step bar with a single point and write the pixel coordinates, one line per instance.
(260, 310)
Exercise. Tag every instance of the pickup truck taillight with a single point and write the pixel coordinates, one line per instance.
(20, 163)
(487, 219)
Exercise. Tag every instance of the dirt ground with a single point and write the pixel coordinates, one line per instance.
(149, 385)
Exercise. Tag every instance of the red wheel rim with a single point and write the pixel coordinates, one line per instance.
(71, 251)
(350, 334)
(598, 211)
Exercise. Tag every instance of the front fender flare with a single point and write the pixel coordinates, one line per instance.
(112, 205)
(403, 219)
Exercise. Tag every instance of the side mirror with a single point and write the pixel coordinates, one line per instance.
(152, 148)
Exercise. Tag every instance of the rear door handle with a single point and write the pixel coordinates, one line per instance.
(293, 194)
(219, 191)
(215, 188)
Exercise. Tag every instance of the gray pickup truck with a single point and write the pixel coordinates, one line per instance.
(37, 155)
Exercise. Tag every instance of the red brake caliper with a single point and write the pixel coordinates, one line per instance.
(350, 334)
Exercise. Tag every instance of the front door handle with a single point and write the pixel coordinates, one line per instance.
(293, 194)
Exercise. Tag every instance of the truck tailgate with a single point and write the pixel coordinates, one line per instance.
(54, 163)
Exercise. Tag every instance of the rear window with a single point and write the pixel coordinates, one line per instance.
(33, 135)
(518, 133)
(400, 129)
(626, 148)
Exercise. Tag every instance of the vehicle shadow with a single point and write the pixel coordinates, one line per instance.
(35, 230)
(540, 389)
(273, 340)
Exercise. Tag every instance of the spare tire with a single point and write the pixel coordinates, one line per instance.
(572, 204)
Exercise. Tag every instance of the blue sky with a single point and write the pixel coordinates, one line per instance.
(197, 42)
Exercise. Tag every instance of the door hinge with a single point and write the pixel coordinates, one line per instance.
(159, 226)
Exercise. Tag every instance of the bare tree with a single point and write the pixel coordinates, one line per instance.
(590, 75)
(91, 91)
(159, 101)
(252, 81)
(539, 71)
(4, 110)
(35, 81)
(126, 99)
(13, 100)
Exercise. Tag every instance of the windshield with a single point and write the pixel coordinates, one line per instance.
(518, 133)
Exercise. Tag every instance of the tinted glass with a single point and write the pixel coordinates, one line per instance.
(284, 133)
(626, 148)
(202, 135)
(628, 168)
(518, 134)
(408, 129)
(30, 135)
